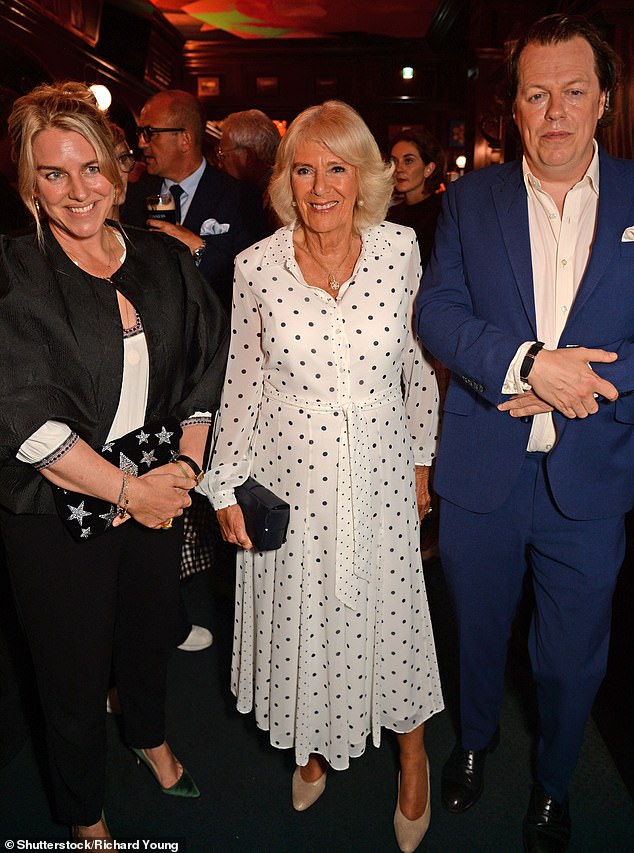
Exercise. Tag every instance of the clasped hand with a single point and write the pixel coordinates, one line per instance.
(156, 496)
(564, 380)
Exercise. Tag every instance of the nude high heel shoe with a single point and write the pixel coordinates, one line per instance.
(410, 833)
(306, 793)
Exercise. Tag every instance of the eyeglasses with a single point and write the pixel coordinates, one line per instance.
(221, 153)
(126, 161)
(147, 131)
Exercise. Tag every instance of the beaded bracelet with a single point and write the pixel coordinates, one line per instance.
(123, 501)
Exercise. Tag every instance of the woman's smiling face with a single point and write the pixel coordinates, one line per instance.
(324, 187)
(70, 188)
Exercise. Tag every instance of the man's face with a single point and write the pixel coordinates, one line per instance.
(231, 157)
(162, 154)
(557, 106)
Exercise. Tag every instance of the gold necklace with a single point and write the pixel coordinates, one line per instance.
(82, 265)
(333, 278)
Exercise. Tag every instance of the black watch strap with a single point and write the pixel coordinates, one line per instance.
(529, 360)
(198, 472)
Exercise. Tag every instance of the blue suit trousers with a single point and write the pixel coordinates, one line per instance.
(574, 566)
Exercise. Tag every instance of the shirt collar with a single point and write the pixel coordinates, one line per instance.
(190, 183)
(592, 172)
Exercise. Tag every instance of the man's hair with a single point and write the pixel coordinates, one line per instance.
(253, 129)
(185, 111)
(430, 151)
(558, 28)
(68, 106)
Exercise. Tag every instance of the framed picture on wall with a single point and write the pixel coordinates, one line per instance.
(326, 87)
(266, 85)
(456, 134)
(208, 87)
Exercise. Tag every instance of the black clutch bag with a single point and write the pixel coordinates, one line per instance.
(139, 451)
(265, 515)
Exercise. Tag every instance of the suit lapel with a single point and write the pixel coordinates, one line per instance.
(509, 198)
(614, 207)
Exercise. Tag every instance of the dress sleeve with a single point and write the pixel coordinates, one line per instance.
(419, 378)
(240, 403)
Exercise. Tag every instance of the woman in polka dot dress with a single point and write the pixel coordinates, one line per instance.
(329, 402)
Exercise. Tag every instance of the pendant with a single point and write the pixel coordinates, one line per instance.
(333, 284)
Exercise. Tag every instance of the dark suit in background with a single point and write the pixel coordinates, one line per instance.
(220, 197)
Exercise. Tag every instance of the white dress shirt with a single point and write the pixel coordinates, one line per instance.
(560, 251)
(189, 186)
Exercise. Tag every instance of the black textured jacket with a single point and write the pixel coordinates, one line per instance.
(61, 346)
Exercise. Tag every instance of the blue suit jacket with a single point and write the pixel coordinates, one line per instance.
(220, 197)
(476, 306)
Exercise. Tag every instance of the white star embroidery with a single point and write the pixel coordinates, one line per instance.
(164, 436)
(85, 533)
(143, 437)
(107, 448)
(78, 513)
(109, 517)
(148, 457)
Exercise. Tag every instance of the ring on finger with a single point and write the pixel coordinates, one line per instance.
(166, 524)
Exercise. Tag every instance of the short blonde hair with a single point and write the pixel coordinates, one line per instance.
(65, 106)
(342, 130)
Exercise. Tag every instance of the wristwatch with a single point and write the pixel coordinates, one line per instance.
(529, 360)
(198, 472)
(198, 253)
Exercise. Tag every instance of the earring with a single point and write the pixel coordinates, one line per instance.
(37, 204)
(293, 204)
(360, 202)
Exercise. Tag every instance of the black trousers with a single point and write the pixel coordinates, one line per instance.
(110, 601)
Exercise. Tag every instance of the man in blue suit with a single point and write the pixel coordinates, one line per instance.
(218, 216)
(528, 299)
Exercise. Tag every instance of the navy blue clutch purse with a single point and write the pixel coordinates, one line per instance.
(265, 515)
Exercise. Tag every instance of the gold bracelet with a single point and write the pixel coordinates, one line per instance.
(185, 474)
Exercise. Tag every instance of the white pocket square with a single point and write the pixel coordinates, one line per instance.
(628, 235)
(212, 226)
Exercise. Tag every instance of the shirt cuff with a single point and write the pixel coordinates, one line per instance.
(198, 418)
(513, 384)
(47, 444)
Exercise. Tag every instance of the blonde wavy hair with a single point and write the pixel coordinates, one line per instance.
(342, 130)
(67, 106)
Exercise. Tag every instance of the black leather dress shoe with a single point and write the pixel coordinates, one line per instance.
(462, 779)
(547, 823)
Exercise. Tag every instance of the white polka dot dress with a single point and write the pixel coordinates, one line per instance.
(332, 632)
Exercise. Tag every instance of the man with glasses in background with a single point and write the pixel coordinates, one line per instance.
(216, 216)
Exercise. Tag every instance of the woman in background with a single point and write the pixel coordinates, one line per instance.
(419, 176)
(126, 162)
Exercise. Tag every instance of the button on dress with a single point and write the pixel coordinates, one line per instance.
(329, 403)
